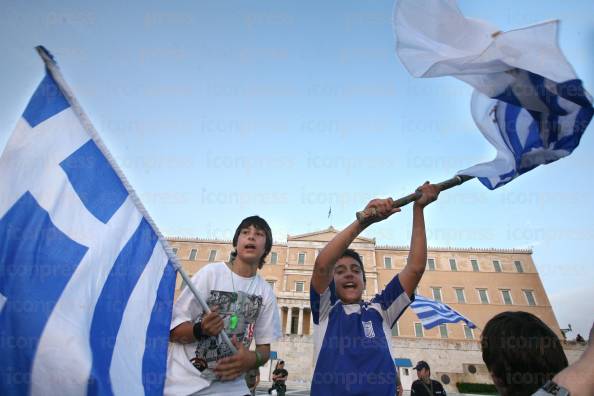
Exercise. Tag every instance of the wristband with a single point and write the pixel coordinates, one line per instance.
(259, 361)
(197, 330)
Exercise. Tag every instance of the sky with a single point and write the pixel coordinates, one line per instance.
(217, 110)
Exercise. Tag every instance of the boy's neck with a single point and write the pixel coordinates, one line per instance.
(352, 302)
(242, 268)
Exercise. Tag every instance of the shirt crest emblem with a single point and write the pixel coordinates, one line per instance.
(368, 328)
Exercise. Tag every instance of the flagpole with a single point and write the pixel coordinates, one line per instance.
(365, 215)
(53, 69)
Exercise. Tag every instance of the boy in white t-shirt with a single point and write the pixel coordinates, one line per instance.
(242, 304)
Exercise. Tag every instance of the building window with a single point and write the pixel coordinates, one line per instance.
(484, 297)
(475, 265)
(395, 331)
(418, 330)
(436, 293)
(443, 330)
(273, 257)
(174, 250)
(453, 265)
(301, 258)
(506, 295)
(431, 264)
(193, 253)
(388, 262)
(468, 333)
(299, 286)
(519, 267)
(212, 255)
(496, 265)
(271, 283)
(530, 297)
(460, 295)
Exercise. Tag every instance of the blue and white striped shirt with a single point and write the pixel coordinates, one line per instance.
(352, 350)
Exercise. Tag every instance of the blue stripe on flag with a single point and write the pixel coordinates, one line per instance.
(112, 302)
(549, 99)
(573, 90)
(154, 361)
(428, 314)
(36, 262)
(434, 307)
(511, 118)
(94, 180)
(533, 140)
(508, 96)
(437, 322)
(46, 102)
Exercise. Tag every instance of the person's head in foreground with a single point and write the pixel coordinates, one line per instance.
(521, 353)
(423, 371)
(349, 277)
(252, 240)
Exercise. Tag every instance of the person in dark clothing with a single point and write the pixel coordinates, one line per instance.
(279, 376)
(425, 386)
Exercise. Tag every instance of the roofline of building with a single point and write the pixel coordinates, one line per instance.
(378, 247)
(329, 229)
(457, 249)
(210, 240)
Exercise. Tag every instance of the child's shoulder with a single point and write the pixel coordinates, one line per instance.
(216, 266)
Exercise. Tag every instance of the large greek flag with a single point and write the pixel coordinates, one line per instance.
(528, 102)
(433, 313)
(86, 286)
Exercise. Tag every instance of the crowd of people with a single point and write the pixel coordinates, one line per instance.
(352, 351)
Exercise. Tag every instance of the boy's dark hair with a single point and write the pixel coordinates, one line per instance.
(351, 253)
(260, 224)
(521, 352)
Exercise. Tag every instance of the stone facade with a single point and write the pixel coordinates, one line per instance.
(478, 283)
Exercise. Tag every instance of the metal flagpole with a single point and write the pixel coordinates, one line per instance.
(364, 215)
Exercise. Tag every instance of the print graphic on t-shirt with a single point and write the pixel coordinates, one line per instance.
(239, 312)
(368, 328)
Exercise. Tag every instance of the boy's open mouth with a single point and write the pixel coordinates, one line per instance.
(349, 285)
(250, 246)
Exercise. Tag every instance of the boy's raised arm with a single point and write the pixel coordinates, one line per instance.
(322, 273)
(411, 275)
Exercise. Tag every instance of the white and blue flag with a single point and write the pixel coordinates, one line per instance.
(86, 284)
(433, 313)
(528, 102)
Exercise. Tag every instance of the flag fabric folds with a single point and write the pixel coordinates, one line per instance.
(433, 313)
(86, 283)
(527, 102)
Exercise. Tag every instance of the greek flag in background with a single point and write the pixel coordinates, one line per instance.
(527, 102)
(86, 287)
(433, 313)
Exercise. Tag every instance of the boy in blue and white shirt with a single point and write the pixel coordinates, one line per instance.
(351, 336)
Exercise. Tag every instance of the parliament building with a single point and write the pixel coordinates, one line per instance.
(478, 283)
